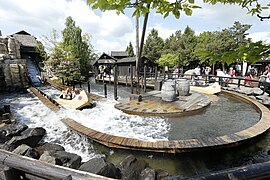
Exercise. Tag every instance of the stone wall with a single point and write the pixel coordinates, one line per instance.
(13, 75)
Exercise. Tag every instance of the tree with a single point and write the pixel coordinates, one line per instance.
(169, 60)
(70, 57)
(175, 7)
(153, 46)
(187, 44)
(78, 44)
(130, 50)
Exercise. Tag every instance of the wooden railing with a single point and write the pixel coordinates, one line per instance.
(21, 167)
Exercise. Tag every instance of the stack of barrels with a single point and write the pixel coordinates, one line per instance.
(173, 88)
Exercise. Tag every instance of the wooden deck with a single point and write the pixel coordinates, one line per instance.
(176, 146)
(152, 105)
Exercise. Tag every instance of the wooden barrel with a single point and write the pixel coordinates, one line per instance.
(168, 91)
(182, 87)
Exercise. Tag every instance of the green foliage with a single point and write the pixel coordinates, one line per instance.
(153, 46)
(163, 7)
(130, 50)
(42, 52)
(252, 52)
(71, 57)
(253, 6)
(167, 60)
(182, 46)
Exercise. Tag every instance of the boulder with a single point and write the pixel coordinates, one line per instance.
(160, 174)
(131, 168)
(101, 167)
(49, 158)
(48, 147)
(30, 137)
(3, 136)
(26, 151)
(148, 174)
(13, 129)
(70, 160)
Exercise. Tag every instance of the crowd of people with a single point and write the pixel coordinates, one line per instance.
(227, 76)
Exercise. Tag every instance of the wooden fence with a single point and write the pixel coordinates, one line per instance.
(21, 167)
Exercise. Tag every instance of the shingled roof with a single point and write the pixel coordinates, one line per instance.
(25, 39)
(119, 54)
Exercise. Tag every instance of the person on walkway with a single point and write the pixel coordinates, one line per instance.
(248, 79)
(265, 78)
(176, 72)
(197, 71)
(207, 71)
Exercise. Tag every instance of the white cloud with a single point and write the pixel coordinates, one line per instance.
(39, 17)
(260, 36)
(110, 31)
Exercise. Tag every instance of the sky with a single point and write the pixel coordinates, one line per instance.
(112, 32)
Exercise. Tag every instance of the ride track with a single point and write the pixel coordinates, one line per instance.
(171, 146)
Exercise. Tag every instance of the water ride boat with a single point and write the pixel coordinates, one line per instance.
(212, 88)
(79, 101)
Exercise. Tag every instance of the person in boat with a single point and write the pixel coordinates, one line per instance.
(66, 94)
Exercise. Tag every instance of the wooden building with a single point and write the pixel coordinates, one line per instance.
(105, 63)
(125, 65)
(28, 44)
(119, 54)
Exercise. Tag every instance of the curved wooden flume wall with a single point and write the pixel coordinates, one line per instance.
(178, 146)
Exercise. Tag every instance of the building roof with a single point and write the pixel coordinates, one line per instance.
(127, 60)
(119, 54)
(25, 39)
(105, 59)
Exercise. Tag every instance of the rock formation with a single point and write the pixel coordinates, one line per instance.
(13, 74)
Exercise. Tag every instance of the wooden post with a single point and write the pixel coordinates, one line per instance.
(144, 75)
(73, 84)
(115, 81)
(156, 73)
(126, 80)
(131, 78)
(164, 73)
(105, 90)
(239, 83)
(88, 85)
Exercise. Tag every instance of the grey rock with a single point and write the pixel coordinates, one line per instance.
(26, 151)
(67, 159)
(148, 174)
(131, 168)
(30, 137)
(48, 147)
(101, 167)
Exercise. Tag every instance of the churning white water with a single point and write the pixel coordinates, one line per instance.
(104, 118)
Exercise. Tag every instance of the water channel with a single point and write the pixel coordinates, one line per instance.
(224, 116)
